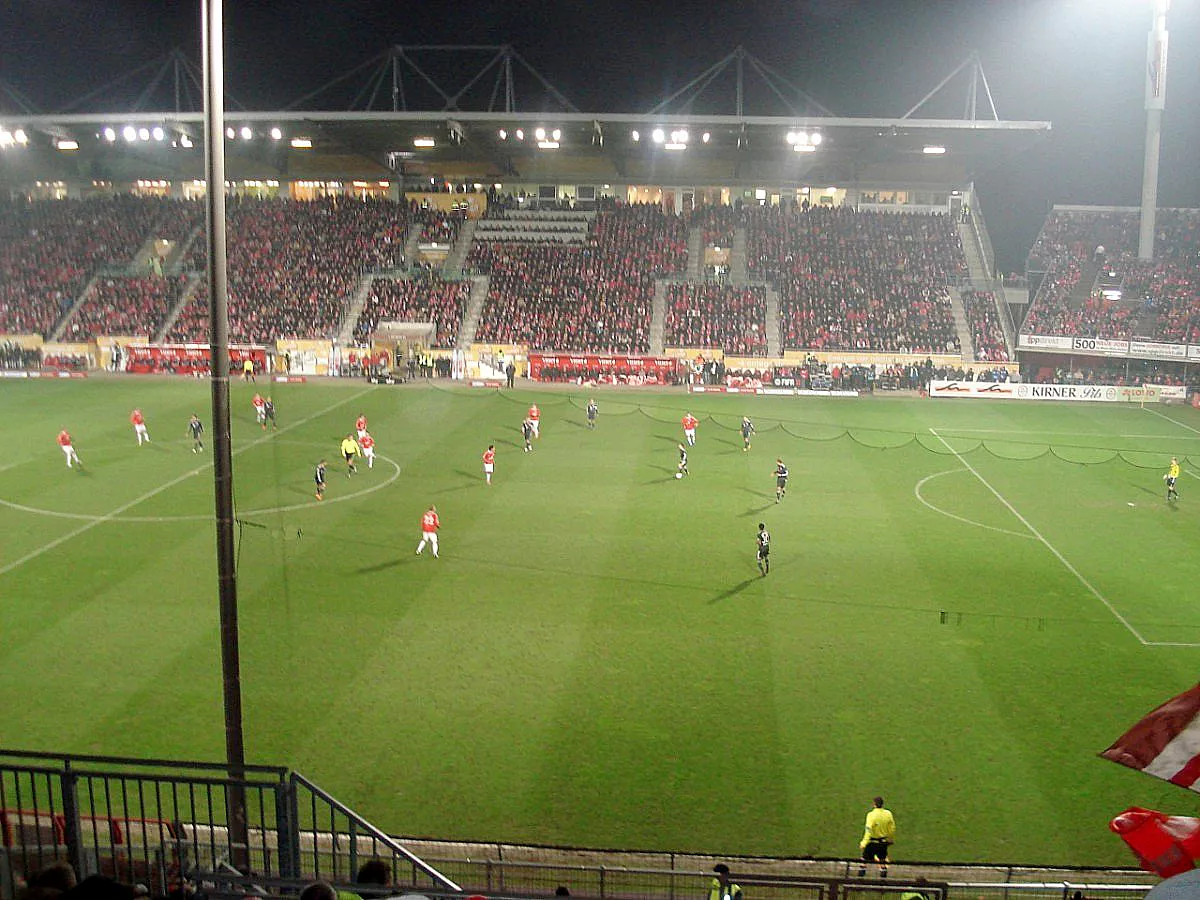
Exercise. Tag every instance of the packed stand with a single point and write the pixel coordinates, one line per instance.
(717, 224)
(50, 248)
(15, 357)
(438, 227)
(596, 296)
(713, 315)
(293, 265)
(987, 334)
(420, 300)
(850, 280)
(125, 306)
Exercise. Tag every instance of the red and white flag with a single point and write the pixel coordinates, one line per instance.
(1166, 743)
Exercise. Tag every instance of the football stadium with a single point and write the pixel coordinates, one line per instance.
(486, 494)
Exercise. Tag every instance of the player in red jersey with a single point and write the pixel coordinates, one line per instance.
(367, 443)
(689, 423)
(489, 462)
(139, 427)
(260, 410)
(430, 523)
(360, 424)
(64, 441)
(535, 416)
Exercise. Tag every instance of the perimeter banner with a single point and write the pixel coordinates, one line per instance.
(571, 366)
(186, 359)
(1088, 393)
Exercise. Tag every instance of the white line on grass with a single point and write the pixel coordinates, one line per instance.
(937, 509)
(1008, 431)
(57, 542)
(1172, 421)
(1037, 534)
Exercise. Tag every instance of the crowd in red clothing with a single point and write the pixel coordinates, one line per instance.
(716, 222)
(983, 319)
(418, 300)
(852, 280)
(438, 227)
(50, 248)
(709, 314)
(293, 265)
(595, 296)
(125, 306)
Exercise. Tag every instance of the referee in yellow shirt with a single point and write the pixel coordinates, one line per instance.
(350, 449)
(878, 836)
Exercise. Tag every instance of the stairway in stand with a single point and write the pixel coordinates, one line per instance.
(453, 267)
(185, 297)
(774, 331)
(695, 245)
(354, 308)
(479, 291)
(1085, 285)
(739, 274)
(962, 327)
(658, 315)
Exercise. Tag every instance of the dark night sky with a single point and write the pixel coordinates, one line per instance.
(1077, 63)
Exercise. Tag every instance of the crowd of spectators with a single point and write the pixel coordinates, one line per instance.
(50, 248)
(983, 318)
(714, 315)
(14, 356)
(418, 300)
(717, 224)
(851, 280)
(117, 305)
(596, 296)
(438, 227)
(293, 265)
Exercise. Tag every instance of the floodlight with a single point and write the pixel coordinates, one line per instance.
(20, 136)
(931, 150)
(110, 135)
(791, 137)
(276, 133)
(557, 134)
(815, 138)
(230, 133)
(424, 142)
(185, 141)
(157, 133)
(6, 138)
(503, 135)
(804, 148)
(547, 145)
(520, 134)
(129, 133)
(64, 144)
(680, 136)
(675, 145)
(636, 137)
(143, 134)
(540, 134)
(657, 136)
(301, 143)
(246, 133)
(704, 137)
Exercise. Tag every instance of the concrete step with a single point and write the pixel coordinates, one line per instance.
(354, 308)
(453, 267)
(658, 317)
(480, 284)
(185, 297)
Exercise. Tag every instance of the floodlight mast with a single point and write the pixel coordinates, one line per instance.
(218, 338)
(1156, 95)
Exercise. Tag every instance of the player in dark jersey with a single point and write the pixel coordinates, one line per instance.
(592, 410)
(196, 429)
(527, 433)
(269, 414)
(781, 477)
(319, 478)
(683, 469)
(764, 549)
(747, 432)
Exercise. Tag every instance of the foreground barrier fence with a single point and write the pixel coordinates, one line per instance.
(163, 824)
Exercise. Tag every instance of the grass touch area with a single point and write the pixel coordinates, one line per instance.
(967, 602)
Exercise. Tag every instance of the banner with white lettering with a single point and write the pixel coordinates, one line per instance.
(1088, 393)
(589, 366)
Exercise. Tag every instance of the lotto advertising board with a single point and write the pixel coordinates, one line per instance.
(1084, 393)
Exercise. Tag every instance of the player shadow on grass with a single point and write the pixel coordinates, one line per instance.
(668, 438)
(507, 443)
(758, 510)
(380, 567)
(764, 494)
(736, 589)
(573, 422)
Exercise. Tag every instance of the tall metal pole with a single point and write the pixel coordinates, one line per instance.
(1156, 96)
(218, 329)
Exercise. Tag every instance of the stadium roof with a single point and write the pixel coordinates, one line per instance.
(686, 140)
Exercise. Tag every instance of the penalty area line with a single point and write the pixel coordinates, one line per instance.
(1040, 537)
(108, 517)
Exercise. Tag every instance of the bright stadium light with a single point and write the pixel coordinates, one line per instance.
(520, 134)
(6, 138)
(540, 134)
(424, 142)
(65, 144)
(110, 135)
(129, 133)
(657, 136)
(815, 139)
(933, 150)
(21, 137)
(143, 134)
(804, 148)
(246, 133)
(185, 141)
(557, 134)
(635, 137)
(157, 133)
(675, 145)
(547, 145)
(301, 143)
(705, 137)
(230, 133)
(503, 135)
(276, 133)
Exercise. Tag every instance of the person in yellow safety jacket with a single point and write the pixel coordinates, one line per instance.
(722, 888)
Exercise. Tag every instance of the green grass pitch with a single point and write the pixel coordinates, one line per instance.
(595, 659)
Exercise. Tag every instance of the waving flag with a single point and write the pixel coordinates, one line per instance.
(1166, 743)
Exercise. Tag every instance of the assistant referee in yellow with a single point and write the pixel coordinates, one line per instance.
(878, 836)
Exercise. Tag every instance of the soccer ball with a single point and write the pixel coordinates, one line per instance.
(678, 474)
(1165, 478)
